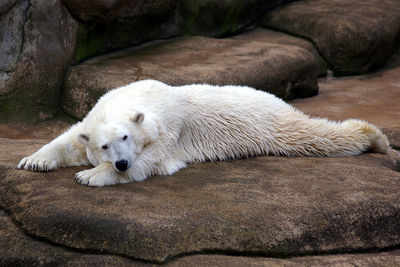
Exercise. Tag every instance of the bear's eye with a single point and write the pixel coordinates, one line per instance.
(125, 137)
(104, 147)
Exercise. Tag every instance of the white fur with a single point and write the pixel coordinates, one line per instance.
(167, 127)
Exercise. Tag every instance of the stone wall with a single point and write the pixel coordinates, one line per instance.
(40, 40)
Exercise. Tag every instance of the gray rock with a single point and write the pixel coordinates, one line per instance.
(219, 18)
(352, 36)
(11, 37)
(31, 82)
(287, 71)
(273, 206)
(106, 11)
(5, 5)
(110, 25)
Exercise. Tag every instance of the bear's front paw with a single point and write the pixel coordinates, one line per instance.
(39, 163)
(96, 177)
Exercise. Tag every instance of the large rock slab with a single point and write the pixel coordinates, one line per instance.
(271, 206)
(352, 36)
(18, 249)
(285, 70)
(383, 259)
(276, 37)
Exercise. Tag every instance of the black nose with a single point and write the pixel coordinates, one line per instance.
(121, 165)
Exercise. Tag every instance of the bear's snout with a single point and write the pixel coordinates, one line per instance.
(121, 165)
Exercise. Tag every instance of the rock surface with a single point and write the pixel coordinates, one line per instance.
(374, 97)
(109, 25)
(366, 259)
(35, 49)
(19, 249)
(218, 18)
(285, 70)
(265, 206)
(40, 40)
(312, 211)
(353, 37)
(275, 37)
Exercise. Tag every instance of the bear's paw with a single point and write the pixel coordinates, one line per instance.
(39, 162)
(97, 176)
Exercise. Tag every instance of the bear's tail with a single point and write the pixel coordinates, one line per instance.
(367, 133)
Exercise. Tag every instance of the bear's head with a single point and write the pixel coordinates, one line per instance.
(118, 142)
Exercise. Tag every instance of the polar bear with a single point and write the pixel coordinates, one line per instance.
(149, 128)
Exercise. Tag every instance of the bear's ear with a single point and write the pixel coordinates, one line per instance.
(138, 118)
(83, 139)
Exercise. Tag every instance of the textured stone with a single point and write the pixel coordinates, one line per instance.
(268, 207)
(366, 259)
(5, 5)
(217, 18)
(275, 37)
(18, 249)
(287, 71)
(264, 205)
(353, 36)
(41, 46)
(105, 11)
(110, 25)
(11, 35)
(374, 97)
(394, 137)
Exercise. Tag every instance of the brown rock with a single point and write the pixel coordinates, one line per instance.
(366, 259)
(287, 71)
(352, 36)
(18, 249)
(374, 97)
(265, 205)
(394, 137)
(275, 37)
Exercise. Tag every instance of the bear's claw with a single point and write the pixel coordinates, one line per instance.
(37, 164)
